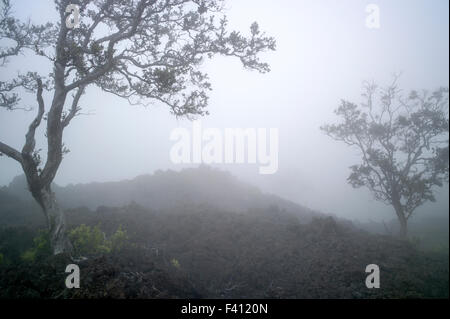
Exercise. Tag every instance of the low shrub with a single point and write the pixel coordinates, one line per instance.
(41, 247)
(88, 240)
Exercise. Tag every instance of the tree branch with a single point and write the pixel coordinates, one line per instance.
(10, 152)
(74, 109)
(29, 137)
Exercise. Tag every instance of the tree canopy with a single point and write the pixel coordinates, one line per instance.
(140, 50)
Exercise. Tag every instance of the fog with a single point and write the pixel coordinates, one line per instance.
(324, 53)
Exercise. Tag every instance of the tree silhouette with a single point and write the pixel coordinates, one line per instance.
(403, 144)
(138, 50)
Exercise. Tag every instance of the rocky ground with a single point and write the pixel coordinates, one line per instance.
(202, 254)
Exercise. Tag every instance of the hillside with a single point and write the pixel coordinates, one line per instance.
(182, 237)
(161, 190)
(202, 252)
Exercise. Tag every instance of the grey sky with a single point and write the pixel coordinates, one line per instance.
(324, 52)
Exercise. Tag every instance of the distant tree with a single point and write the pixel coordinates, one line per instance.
(403, 143)
(138, 50)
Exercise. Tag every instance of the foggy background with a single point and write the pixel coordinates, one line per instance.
(324, 53)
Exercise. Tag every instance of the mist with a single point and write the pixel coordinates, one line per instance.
(325, 52)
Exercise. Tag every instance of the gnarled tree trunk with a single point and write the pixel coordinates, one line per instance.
(56, 220)
(400, 212)
(403, 227)
(403, 232)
